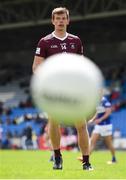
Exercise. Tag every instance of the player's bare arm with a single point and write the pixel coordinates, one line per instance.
(106, 115)
(37, 61)
(92, 119)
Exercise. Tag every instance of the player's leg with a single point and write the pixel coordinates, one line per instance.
(94, 139)
(54, 134)
(83, 143)
(96, 133)
(47, 139)
(108, 141)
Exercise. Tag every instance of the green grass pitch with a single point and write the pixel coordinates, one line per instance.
(35, 165)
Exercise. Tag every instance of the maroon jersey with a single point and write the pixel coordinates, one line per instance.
(51, 44)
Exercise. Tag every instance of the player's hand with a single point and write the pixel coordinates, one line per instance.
(97, 121)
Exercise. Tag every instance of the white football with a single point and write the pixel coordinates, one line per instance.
(68, 87)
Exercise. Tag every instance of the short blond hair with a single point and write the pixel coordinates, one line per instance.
(60, 10)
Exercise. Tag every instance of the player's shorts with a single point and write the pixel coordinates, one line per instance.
(103, 130)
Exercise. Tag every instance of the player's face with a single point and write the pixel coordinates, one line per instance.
(60, 22)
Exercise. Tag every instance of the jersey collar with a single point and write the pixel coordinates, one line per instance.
(62, 39)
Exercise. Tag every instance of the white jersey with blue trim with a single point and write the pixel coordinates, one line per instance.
(101, 111)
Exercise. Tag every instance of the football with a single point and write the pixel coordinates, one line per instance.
(68, 87)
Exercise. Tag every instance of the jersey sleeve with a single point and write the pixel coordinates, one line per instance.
(80, 47)
(41, 48)
(107, 104)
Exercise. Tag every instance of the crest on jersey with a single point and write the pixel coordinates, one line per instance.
(63, 46)
(72, 45)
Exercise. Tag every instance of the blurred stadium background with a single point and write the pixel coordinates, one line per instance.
(101, 24)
